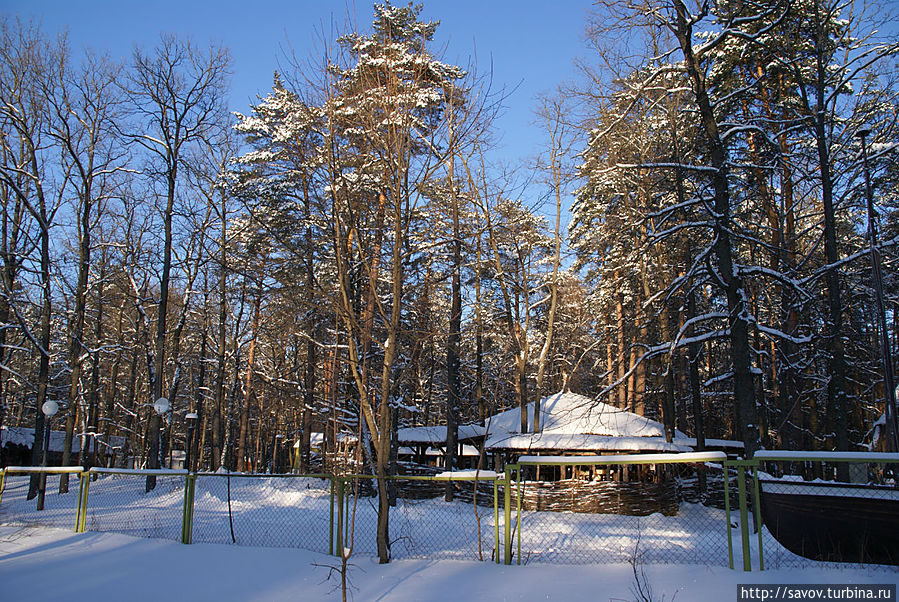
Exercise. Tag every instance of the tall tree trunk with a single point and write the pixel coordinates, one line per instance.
(132, 416)
(153, 433)
(10, 229)
(93, 405)
(111, 393)
(836, 386)
(385, 422)
(670, 393)
(479, 339)
(227, 458)
(454, 389)
(76, 343)
(219, 406)
(311, 343)
(43, 379)
(788, 381)
(249, 393)
(195, 451)
(553, 116)
(694, 349)
(621, 350)
(729, 280)
(43, 347)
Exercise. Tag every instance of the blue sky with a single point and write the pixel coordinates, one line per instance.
(531, 44)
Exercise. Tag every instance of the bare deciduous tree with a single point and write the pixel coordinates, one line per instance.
(177, 95)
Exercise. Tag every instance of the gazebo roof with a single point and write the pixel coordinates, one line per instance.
(437, 434)
(569, 421)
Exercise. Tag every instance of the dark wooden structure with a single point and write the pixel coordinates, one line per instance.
(635, 498)
(835, 522)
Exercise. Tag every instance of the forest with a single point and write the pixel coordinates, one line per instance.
(349, 258)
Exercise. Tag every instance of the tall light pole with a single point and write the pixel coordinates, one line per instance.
(191, 419)
(161, 406)
(49, 409)
(276, 457)
(892, 427)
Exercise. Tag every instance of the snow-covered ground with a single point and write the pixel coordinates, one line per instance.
(54, 564)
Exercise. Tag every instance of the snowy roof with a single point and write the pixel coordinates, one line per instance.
(467, 451)
(20, 435)
(437, 434)
(467, 475)
(316, 440)
(723, 443)
(605, 443)
(623, 459)
(572, 421)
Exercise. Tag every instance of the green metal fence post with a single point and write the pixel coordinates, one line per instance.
(190, 482)
(744, 515)
(495, 521)
(331, 518)
(730, 539)
(758, 514)
(184, 511)
(79, 503)
(193, 492)
(347, 525)
(187, 516)
(518, 495)
(507, 515)
(81, 516)
(340, 487)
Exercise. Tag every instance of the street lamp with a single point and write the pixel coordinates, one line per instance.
(49, 409)
(888, 380)
(160, 406)
(191, 419)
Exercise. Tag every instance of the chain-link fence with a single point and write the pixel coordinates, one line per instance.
(280, 511)
(422, 523)
(617, 509)
(122, 501)
(268, 510)
(826, 507)
(780, 509)
(22, 503)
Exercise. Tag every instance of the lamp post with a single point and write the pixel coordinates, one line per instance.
(49, 409)
(276, 464)
(892, 427)
(191, 419)
(160, 406)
